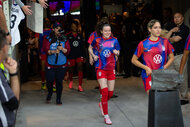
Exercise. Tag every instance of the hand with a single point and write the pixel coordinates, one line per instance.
(43, 3)
(175, 29)
(60, 47)
(57, 51)
(11, 65)
(9, 38)
(27, 10)
(148, 71)
(116, 52)
(95, 58)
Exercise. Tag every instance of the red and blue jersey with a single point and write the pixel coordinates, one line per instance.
(104, 47)
(154, 53)
(92, 37)
(187, 43)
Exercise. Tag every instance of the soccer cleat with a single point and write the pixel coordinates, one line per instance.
(54, 89)
(80, 89)
(43, 87)
(101, 109)
(71, 84)
(107, 121)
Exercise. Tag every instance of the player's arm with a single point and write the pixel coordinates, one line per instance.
(170, 61)
(183, 61)
(90, 50)
(136, 62)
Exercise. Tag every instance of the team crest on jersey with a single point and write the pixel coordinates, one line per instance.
(99, 73)
(157, 59)
(163, 48)
(107, 53)
(112, 45)
(150, 83)
(75, 43)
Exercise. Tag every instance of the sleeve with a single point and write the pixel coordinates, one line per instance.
(12, 104)
(187, 43)
(140, 49)
(93, 44)
(46, 44)
(170, 48)
(20, 3)
(91, 38)
(67, 46)
(183, 32)
(117, 46)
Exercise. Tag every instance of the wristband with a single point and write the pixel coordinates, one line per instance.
(13, 74)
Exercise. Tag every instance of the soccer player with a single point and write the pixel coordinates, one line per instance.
(154, 51)
(185, 55)
(76, 55)
(107, 48)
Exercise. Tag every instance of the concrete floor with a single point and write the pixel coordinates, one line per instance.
(80, 109)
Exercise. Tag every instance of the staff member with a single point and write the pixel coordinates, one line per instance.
(56, 48)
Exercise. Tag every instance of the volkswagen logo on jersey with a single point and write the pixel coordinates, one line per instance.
(106, 53)
(157, 59)
(75, 43)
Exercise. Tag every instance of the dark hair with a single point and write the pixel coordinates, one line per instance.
(152, 22)
(179, 13)
(100, 25)
(3, 40)
(47, 23)
(53, 37)
(75, 22)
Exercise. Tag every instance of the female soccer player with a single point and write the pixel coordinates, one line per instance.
(56, 48)
(154, 51)
(76, 55)
(185, 55)
(107, 48)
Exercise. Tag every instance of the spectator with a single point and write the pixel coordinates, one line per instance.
(9, 92)
(178, 35)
